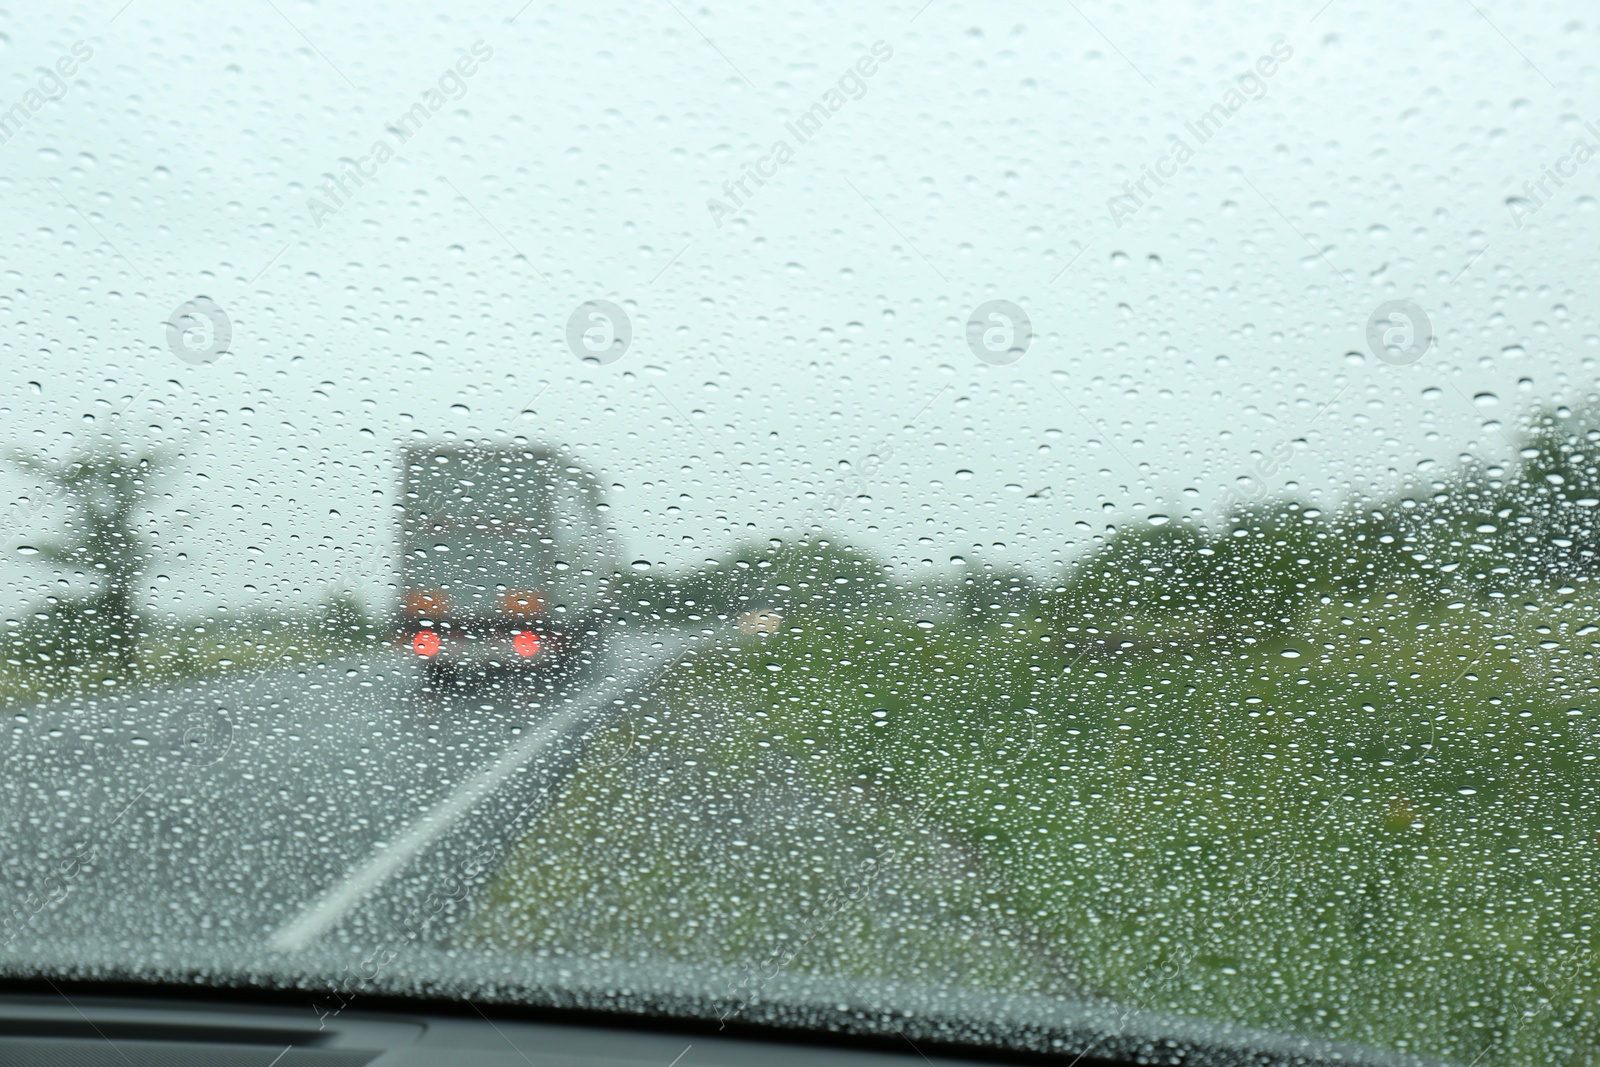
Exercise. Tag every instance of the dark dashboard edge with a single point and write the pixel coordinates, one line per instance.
(242, 995)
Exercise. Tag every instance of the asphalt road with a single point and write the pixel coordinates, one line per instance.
(275, 811)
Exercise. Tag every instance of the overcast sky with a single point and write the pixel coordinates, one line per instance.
(782, 335)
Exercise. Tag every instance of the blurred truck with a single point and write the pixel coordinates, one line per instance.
(505, 559)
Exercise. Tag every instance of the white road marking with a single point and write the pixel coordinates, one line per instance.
(641, 655)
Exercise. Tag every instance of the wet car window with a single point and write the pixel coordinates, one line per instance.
(1091, 504)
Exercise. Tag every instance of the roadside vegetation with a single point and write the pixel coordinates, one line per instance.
(95, 635)
(1334, 772)
(45, 658)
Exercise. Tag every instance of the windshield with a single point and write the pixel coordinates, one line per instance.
(1054, 526)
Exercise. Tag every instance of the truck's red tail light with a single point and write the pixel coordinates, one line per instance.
(526, 644)
(425, 643)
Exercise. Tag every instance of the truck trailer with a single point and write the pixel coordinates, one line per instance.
(505, 559)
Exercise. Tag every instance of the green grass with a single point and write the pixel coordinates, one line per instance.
(1390, 838)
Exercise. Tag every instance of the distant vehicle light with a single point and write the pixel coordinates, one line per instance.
(525, 643)
(763, 621)
(425, 643)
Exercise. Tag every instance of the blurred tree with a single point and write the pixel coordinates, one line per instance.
(102, 551)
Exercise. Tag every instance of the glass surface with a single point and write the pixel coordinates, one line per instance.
(1089, 503)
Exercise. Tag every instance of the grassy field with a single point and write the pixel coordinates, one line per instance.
(1334, 774)
(1407, 863)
